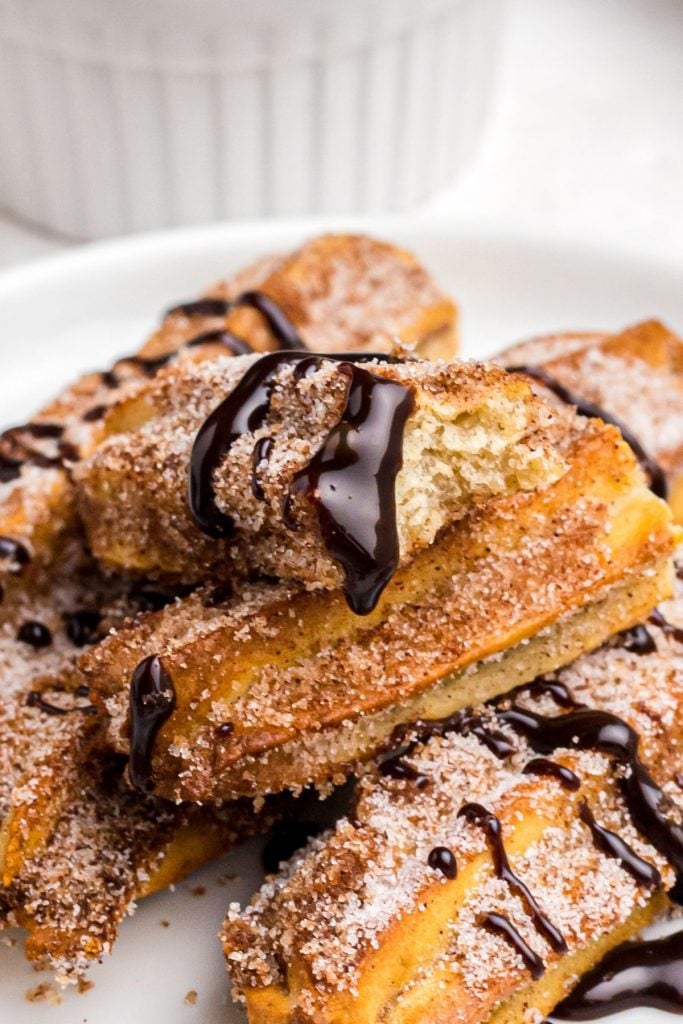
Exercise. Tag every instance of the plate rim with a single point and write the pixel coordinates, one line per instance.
(97, 255)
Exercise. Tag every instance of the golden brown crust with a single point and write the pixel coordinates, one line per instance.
(473, 433)
(280, 664)
(350, 292)
(360, 926)
(635, 375)
(76, 846)
(344, 291)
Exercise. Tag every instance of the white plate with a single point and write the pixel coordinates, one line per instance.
(75, 312)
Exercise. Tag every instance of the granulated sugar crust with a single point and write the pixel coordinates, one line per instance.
(338, 902)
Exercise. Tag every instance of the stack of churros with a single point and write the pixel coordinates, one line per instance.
(293, 543)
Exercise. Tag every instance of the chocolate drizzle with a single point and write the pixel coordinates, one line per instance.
(443, 860)
(466, 722)
(152, 700)
(614, 846)
(238, 346)
(651, 468)
(635, 974)
(500, 925)
(95, 413)
(637, 640)
(81, 626)
(152, 597)
(150, 365)
(279, 324)
(262, 450)
(35, 634)
(350, 480)
(475, 814)
(397, 768)
(14, 550)
(18, 448)
(545, 767)
(675, 632)
(587, 729)
(204, 307)
(544, 686)
(243, 411)
(35, 699)
(282, 329)
(285, 839)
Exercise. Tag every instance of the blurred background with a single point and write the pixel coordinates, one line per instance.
(558, 118)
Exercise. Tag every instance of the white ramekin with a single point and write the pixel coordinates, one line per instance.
(124, 115)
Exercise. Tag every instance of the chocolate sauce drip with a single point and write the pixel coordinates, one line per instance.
(219, 594)
(675, 632)
(35, 634)
(150, 365)
(14, 551)
(637, 640)
(475, 814)
(285, 839)
(545, 767)
(243, 411)
(94, 414)
(280, 326)
(351, 479)
(262, 450)
(204, 307)
(614, 846)
(586, 729)
(651, 468)
(545, 686)
(152, 700)
(81, 626)
(396, 768)
(635, 974)
(152, 597)
(493, 739)
(35, 699)
(499, 925)
(443, 860)
(405, 738)
(17, 448)
(238, 346)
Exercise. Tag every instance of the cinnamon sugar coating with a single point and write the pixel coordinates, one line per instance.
(309, 689)
(77, 848)
(474, 433)
(340, 291)
(360, 924)
(635, 374)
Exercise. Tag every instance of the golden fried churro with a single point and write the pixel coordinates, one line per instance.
(634, 375)
(278, 687)
(490, 859)
(332, 473)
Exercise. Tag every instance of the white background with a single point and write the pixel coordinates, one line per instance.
(586, 139)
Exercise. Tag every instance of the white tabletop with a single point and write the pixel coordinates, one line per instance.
(586, 139)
